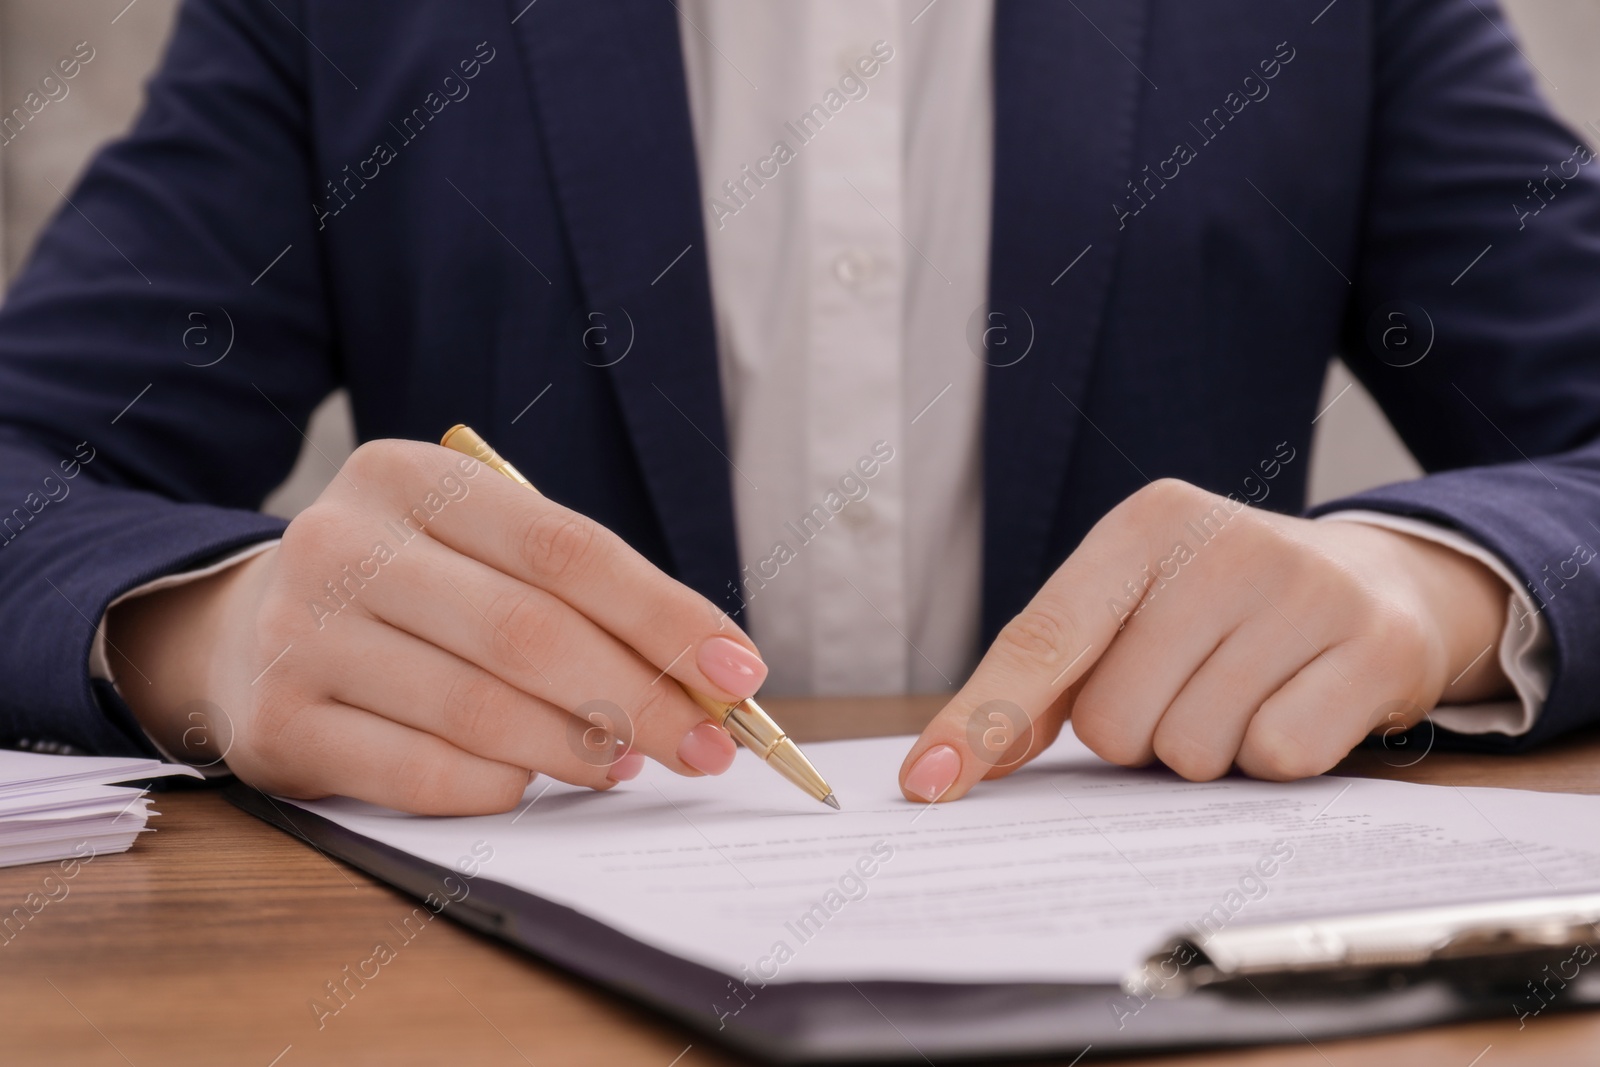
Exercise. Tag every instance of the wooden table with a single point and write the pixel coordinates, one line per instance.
(206, 943)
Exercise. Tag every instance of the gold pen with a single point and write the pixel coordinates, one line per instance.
(745, 720)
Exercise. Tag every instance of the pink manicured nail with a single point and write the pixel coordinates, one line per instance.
(731, 666)
(707, 748)
(626, 768)
(934, 773)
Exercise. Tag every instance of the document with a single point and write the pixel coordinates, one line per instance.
(64, 807)
(1070, 870)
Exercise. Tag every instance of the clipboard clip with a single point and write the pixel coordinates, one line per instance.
(1486, 943)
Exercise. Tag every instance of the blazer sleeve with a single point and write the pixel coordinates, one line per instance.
(1475, 318)
(158, 357)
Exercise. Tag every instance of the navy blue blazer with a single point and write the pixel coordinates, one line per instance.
(423, 202)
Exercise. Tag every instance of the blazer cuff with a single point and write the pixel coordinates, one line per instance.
(1525, 644)
(100, 663)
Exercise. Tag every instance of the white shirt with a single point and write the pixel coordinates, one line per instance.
(844, 270)
(843, 276)
(842, 289)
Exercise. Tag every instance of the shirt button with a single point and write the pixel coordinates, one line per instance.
(852, 267)
(857, 514)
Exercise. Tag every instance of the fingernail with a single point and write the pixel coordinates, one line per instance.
(707, 748)
(934, 773)
(731, 667)
(626, 768)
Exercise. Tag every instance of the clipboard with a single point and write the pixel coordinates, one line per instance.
(1248, 985)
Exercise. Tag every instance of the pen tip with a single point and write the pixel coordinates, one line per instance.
(832, 803)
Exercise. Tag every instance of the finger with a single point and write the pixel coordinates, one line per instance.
(1146, 666)
(1316, 718)
(1040, 735)
(532, 538)
(1002, 720)
(315, 750)
(1065, 628)
(380, 669)
(1200, 733)
(530, 639)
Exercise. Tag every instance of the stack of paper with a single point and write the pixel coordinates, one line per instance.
(57, 807)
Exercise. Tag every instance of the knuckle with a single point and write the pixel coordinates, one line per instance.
(1038, 637)
(370, 458)
(677, 611)
(1165, 496)
(1276, 752)
(654, 711)
(473, 705)
(423, 785)
(376, 459)
(520, 620)
(557, 545)
(1104, 734)
(277, 730)
(313, 532)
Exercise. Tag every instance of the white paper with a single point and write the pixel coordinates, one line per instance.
(1069, 870)
(74, 797)
(61, 807)
(26, 772)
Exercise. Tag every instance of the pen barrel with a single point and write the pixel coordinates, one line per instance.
(756, 730)
(753, 728)
(787, 759)
(469, 442)
(749, 725)
(758, 733)
(717, 709)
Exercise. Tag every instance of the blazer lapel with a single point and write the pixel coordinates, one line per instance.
(1066, 102)
(609, 89)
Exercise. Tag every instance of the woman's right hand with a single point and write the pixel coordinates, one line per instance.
(427, 636)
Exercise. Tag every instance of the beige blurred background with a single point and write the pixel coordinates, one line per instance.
(1354, 447)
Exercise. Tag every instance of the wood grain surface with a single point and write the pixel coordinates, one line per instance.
(207, 943)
